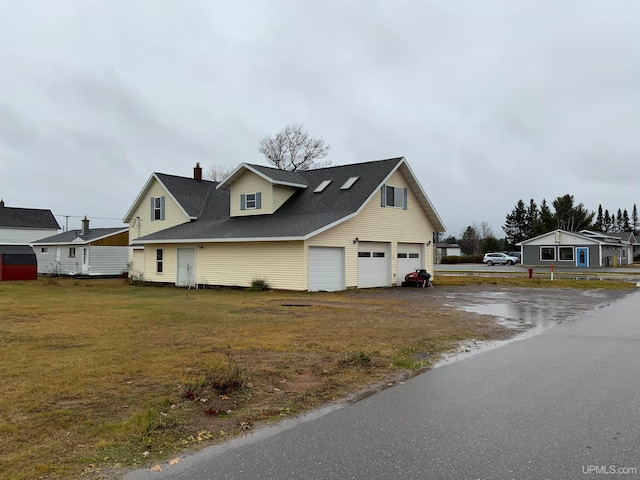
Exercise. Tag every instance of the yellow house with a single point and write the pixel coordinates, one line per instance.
(352, 226)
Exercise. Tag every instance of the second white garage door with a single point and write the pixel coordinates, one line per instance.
(326, 269)
(409, 258)
(374, 265)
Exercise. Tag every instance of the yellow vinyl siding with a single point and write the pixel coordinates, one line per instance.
(173, 214)
(380, 224)
(280, 263)
(249, 182)
(169, 263)
(280, 195)
(273, 196)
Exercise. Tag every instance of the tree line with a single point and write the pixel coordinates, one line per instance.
(530, 220)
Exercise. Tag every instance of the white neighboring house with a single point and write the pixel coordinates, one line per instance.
(90, 252)
(21, 226)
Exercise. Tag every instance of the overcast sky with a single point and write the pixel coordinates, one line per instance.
(489, 101)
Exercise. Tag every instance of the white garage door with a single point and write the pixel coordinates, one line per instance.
(326, 269)
(374, 265)
(409, 258)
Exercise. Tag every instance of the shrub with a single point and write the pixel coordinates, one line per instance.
(450, 259)
(259, 284)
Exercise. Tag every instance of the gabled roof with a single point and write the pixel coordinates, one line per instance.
(190, 195)
(273, 175)
(305, 214)
(76, 236)
(17, 255)
(627, 237)
(595, 237)
(11, 217)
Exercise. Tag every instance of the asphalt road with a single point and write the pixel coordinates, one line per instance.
(564, 404)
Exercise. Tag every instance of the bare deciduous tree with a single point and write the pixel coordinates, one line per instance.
(294, 149)
(217, 173)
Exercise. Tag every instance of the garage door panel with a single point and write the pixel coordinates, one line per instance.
(409, 258)
(326, 269)
(374, 265)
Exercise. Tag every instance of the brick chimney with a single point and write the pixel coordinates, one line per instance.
(85, 225)
(197, 172)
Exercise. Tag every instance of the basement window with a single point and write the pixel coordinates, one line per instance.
(349, 183)
(322, 186)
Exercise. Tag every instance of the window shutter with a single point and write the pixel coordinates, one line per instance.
(243, 201)
(258, 200)
(404, 199)
(153, 204)
(383, 195)
(162, 208)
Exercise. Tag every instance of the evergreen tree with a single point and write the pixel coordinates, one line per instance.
(614, 223)
(599, 220)
(546, 220)
(532, 218)
(635, 220)
(516, 228)
(619, 222)
(570, 217)
(626, 222)
(606, 224)
(470, 242)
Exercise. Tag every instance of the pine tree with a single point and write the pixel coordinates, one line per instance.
(635, 220)
(515, 227)
(606, 224)
(619, 222)
(532, 219)
(546, 220)
(626, 222)
(614, 223)
(599, 220)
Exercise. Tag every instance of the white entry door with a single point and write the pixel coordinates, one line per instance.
(85, 260)
(186, 267)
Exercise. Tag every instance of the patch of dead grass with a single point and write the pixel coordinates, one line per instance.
(94, 373)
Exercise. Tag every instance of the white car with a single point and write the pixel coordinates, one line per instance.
(499, 259)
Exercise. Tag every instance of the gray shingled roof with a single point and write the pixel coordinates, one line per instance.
(71, 235)
(12, 217)
(303, 213)
(17, 255)
(191, 194)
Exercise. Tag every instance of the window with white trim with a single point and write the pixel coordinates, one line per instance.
(72, 252)
(44, 249)
(251, 201)
(394, 197)
(548, 253)
(159, 260)
(565, 254)
(157, 208)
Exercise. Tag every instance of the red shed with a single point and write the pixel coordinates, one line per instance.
(18, 262)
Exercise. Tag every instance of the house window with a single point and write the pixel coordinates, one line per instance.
(624, 254)
(414, 255)
(402, 255)
(349, 183)
(394, 197)
(251, 201)
(364, 254)
(157, 208)
(322, 186)
(565, 253)
(378, 254)
(44, 250)
(72, 252)
(548, 253)
(159, 260)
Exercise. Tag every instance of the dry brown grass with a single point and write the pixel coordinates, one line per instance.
(100, 374)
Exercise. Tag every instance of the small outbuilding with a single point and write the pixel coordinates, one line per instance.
(18, 262)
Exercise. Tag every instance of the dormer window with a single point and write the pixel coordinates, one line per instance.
(251, 201)
(322, 186)
(349, 183)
